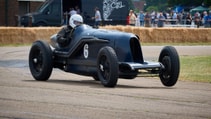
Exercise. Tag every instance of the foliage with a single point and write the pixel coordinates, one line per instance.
(152, 8)
(172, 3)
(161, 5)
(156, 5)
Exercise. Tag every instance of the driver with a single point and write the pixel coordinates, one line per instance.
(64, 35)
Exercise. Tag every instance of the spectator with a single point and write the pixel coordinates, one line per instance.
(205, 20)
(127, 20)
(141, 18)
(156, 19)
(97, 17)
(132, 18)
(72, 12)
(179, 17)
(174, 17)
(197, 19)
(184, 15)
(161, 20)
(147, 20)
(209, 18)
(188, 19)
(153, 15)
(78, 11)
(165, 15)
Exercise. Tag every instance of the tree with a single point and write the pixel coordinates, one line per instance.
(161, 5)
(157, 5)
(152, 8)
(172, 3)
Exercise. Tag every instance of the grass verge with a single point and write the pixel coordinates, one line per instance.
(195, 68)
(176, 44)
(15, 45)
(143, 44)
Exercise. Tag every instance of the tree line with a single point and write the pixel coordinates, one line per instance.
(160, 5)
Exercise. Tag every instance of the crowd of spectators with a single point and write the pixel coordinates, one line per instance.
(160, 19)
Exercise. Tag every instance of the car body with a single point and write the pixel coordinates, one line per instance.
(105, 55)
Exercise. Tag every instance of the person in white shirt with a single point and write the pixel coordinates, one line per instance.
(72, 11)
(97, 17)
(132, 18)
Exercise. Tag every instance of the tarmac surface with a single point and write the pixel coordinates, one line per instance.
(70, 96)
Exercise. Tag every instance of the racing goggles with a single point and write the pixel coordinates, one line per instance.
(77, 23)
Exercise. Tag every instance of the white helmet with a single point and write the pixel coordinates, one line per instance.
(75, 20)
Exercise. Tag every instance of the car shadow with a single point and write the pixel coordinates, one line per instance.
(91, 83)
(97, 84)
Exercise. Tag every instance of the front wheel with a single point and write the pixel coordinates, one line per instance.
(170, 60)
(107, 67)
(40, 60)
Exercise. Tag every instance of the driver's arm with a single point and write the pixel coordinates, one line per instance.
(62, 36)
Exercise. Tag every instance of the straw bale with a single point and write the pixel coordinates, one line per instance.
(21, 35)
(167, 35)
(44, 33)
(13, 35)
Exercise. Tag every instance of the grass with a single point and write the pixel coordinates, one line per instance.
(195, 68)
(175, 44)
(15, 45)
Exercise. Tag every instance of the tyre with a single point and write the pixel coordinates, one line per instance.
(96, 78)
(40, 60)
(107, 67)
(170, 59)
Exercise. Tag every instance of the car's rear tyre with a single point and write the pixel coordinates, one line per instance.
(40, 60)
(170, 59)
(95, 77)
(107, 66)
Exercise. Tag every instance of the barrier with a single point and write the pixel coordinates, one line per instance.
(21, 35)
(168, 34)
(180, 25)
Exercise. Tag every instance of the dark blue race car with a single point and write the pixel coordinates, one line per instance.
(105, 55)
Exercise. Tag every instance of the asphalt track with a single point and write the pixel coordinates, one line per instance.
(69, 96)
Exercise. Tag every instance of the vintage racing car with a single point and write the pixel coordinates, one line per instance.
(105, 55)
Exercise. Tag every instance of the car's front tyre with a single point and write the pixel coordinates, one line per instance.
(107, 66)
(170, 59)
(40, 60)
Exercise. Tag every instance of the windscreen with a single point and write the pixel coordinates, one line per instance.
(43, 6)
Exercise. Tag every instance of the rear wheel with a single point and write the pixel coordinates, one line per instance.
(170, 59)
(40, 60)
(95, 77)
(107, 66)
